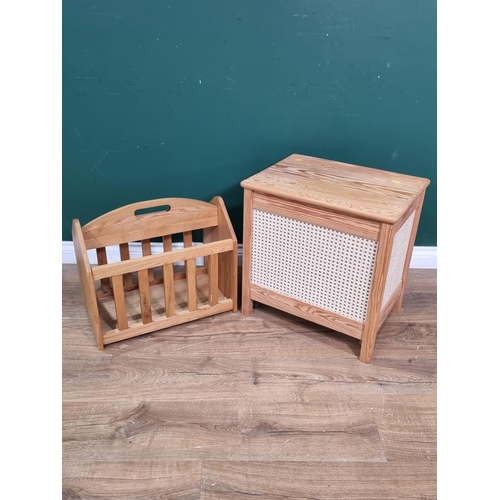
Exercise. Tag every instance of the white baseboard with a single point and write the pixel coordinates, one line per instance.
(422, 257)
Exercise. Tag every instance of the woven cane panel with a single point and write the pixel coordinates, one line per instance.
(398, 259)
(313, 264)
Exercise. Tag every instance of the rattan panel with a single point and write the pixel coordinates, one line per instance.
(316, 265)
(398, 259)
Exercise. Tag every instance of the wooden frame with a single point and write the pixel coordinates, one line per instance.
(141, 295)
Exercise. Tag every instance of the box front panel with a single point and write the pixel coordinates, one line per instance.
(323, 267)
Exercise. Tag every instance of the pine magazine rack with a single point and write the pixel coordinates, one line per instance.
(140, 295)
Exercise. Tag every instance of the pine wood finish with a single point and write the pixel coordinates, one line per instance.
(269, 406)
(367, 193)
(138, 296)
(359, 201)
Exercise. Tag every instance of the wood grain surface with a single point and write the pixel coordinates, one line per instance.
(270, 406)
(364, 192)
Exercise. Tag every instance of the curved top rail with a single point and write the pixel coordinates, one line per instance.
(149, 219)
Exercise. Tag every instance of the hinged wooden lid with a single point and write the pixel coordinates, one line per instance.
(351, 189)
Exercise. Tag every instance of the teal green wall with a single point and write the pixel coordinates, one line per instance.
(186, 98)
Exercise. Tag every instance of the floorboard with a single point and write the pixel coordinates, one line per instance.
(229, 407)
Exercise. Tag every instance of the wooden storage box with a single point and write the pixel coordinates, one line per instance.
(156, 290)
(330, 242)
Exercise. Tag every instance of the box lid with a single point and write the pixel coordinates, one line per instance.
(351, 189)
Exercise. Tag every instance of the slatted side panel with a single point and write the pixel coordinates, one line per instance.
(397, 259)
(313, 264)
(178, 287)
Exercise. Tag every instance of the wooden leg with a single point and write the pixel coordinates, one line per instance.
(367, 345)
(399, 303)
(246, 302)
(375, 302)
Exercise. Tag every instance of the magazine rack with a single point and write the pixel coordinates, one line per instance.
(154, 291)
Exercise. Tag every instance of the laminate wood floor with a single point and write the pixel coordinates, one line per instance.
(269, 406)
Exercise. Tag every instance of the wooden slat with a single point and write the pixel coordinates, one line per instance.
(146, 251)
(125, 255)
(213, 277)
(102, 259)
(119, 298)
(116, 268)
(144, 295)
(167, 243)
(187, 237)
(168, 280)
(191, 284)
(169, 290)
